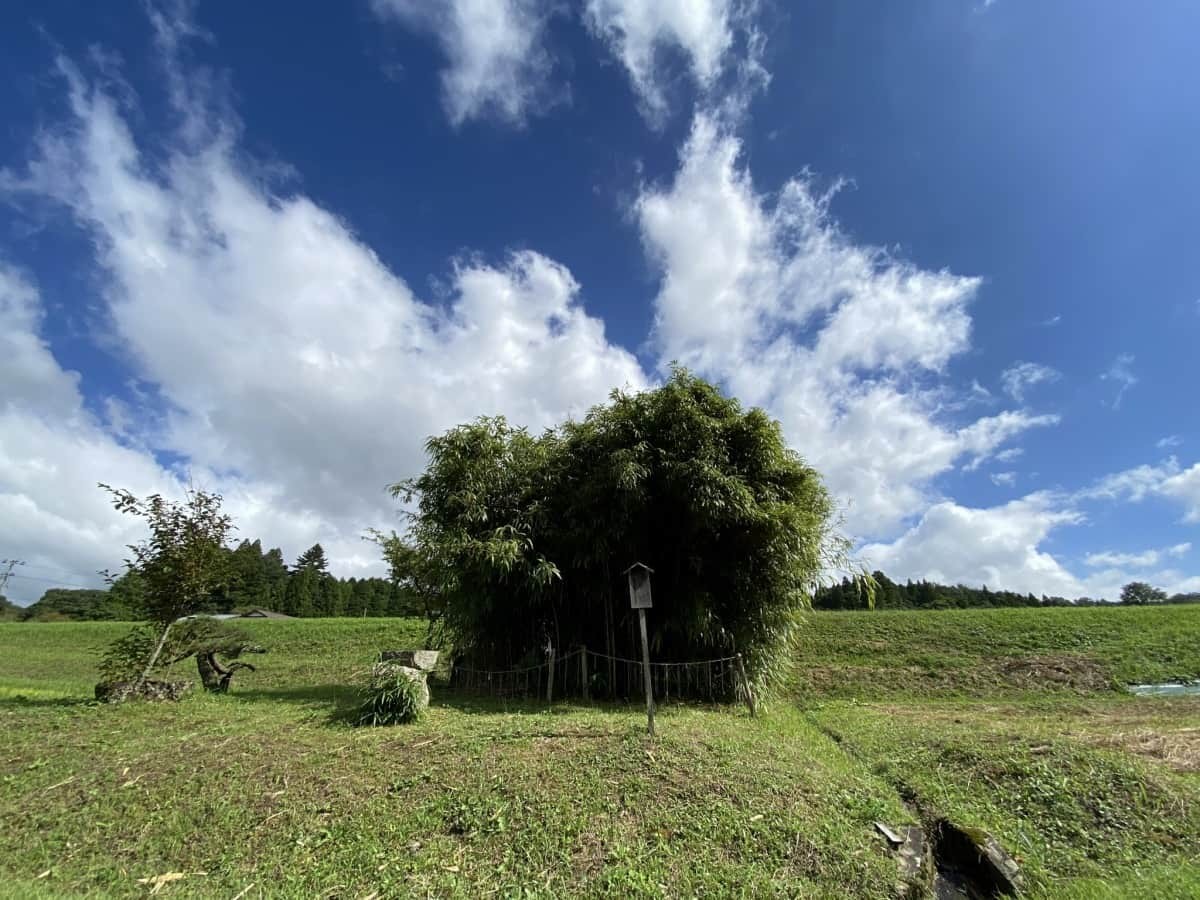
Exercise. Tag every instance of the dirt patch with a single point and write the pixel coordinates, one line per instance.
(1077, 673)
(1180, 750)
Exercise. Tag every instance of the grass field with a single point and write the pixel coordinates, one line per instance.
(1002, 720)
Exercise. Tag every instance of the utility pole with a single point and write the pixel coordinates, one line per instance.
(6, 570)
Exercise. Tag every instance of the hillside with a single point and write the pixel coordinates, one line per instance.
(268, 791)
(986, 652)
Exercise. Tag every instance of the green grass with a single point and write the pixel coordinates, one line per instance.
(989, 652)
(1097, 793)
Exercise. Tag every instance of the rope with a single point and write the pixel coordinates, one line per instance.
(638, 662)
(493, 672)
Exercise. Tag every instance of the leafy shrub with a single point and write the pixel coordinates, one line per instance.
(524, 538)
(394, 696)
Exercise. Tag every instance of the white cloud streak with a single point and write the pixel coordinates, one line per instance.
(1142, 560)
(1121, 373)
(644, 34)
(1021, 376)
(497, 62)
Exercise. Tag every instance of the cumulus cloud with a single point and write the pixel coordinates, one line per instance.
(282, 362)
(1002, 547)
(1169, 442)
(834, 338)
(290, 367)
(1021, 376)
(497, 62)
(997, 546)
(1005, 479)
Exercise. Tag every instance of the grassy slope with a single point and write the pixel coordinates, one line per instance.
(966, 652)
(1092, 790)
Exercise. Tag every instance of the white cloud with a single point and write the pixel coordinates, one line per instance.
(1132, 484)
(1005, 479)
(496, 50)
(1021, 376)
(1185, 488)
(1010, 454)
(1121, 372)
(1001, 547)
(1169, 442)
(1144, 559)
(1166, 479)
(998, 547)
(834, 338)
(640, 32)
(296, 373)
(1052, 321)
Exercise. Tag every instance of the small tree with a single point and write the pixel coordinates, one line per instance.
(181, 564)
(206, 639)
(1138, 593)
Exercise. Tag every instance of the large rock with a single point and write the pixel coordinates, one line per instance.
(425, 660)
(389, 669)
(122, 691)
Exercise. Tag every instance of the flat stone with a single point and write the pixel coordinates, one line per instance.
(1004, 868)
(425, 660)
(915, 859)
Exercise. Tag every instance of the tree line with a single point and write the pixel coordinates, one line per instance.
(888, 594)
(256, 579)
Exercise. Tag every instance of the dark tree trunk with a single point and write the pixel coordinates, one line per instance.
(215, 676)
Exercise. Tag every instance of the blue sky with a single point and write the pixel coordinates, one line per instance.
(271, 247)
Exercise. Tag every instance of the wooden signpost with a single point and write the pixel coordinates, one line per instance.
(639, 599)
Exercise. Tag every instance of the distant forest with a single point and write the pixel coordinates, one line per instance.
(259, 579)
(263, 579)
(929, 595)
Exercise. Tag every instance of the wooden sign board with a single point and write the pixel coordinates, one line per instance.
(639, 589)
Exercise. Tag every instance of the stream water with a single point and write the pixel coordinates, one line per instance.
(1166, 690)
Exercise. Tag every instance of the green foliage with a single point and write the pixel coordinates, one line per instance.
(392, 697)
(851, 593)
(313, 560)
(1138, 593)
(9, 612)
(185, 560)
(523, 539)
(128, 656)
(66, 604)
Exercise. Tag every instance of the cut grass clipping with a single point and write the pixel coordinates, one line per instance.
(396, 695)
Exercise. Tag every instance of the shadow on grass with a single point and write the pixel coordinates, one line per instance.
(303, 695)
(341, 703)
(22, 702)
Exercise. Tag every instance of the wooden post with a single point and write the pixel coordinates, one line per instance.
(550, 680)
(646, 673)
(746, 686)
(583, 672)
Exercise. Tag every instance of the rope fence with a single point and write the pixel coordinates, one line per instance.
(590, 674)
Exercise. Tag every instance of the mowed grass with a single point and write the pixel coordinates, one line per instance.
(269, 787)
(987, 652)
(268, 791)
